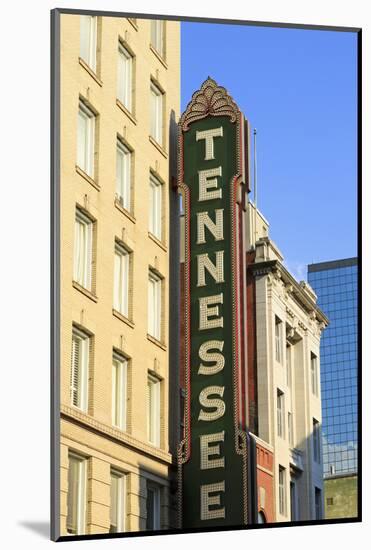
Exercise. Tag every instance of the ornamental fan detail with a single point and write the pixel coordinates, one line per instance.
(212, 100)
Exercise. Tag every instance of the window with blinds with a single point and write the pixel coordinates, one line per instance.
(155, 207)
(156, 113)
(79, 369)
(289, 354)
(314, 373)
(123, 175)
(153, 521)
(153, 410)
(76, 497)
(86, 139)
(154, 305)
(280, 414)
(282, 490)
(83, 246)
(124, 77)
(88, 40)
(119, 391)
(118, 502)
(316, 441)
(158, 36)
(278, 339)
(121, 280)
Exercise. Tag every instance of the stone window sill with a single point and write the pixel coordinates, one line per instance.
(85, 291)
(156, 342)
(122, 318)
(90, 71)
(87, 178)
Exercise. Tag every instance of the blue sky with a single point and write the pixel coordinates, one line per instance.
(298, 88)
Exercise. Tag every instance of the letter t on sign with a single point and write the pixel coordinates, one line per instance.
(208, 136)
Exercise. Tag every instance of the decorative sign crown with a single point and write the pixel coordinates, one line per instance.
(212, 100)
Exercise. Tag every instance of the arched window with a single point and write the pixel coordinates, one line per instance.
(261, 517)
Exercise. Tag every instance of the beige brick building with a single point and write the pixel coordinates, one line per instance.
(120, 90)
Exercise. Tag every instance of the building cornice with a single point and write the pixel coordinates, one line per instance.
(293, 289)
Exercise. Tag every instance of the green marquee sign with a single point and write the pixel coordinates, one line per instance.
(212, 457)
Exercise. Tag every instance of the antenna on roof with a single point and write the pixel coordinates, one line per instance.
(255, 189)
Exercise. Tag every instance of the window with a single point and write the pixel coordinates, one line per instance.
(290, 428)
(156, 113)
(261, 517)
(83, 246)
(318, 502)
(293, 500)
(124, 77)
(316, 441)
(289, 351)
(154, 305)
(155, 207)
(79, 369)
(123, 175)
(118, 502)
(314, 373)
(278, 339)
(282, 490)
(280, 414)
(153, 507)
(121, 281)
(88, 40)
(76, 498)
(86, 139)
(119, 391)
(157, 36)
(153, 410)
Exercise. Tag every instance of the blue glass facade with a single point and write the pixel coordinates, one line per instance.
(335, 284)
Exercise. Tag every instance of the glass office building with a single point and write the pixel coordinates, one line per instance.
(335, 284)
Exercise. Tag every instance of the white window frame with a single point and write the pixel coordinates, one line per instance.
(80, 350)
(81, 493)
(88, 40)
(154, 410)
(155, 206)
(119, 391)
(280, 414)
(121, 280)
(282, 490)
(120, 496)
(278, 338)
(158, 36)
(156, 492)
(83, 250)
(86, 139)
(154, 305)
(314, 373)
(157, 98)
(123, 174)
(125, 76)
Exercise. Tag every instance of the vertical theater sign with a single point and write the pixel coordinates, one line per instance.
(213, 455)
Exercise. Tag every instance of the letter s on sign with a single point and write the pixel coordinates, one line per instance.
(218, 404)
